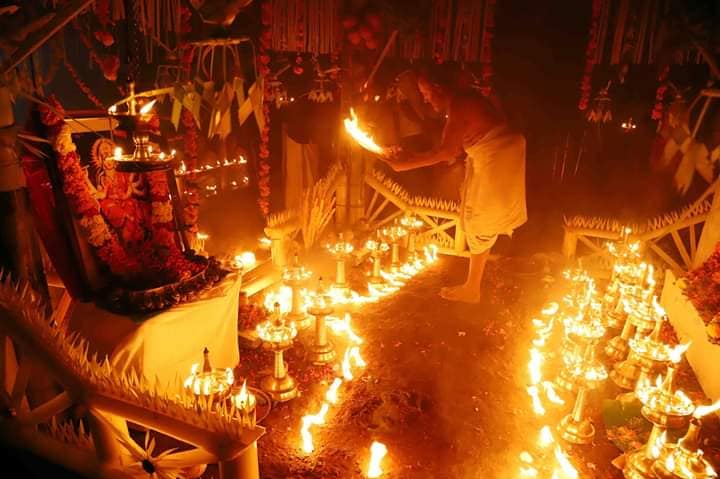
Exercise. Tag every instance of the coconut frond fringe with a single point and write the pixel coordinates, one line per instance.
(397, 191)
(611, 225)
(97, 381)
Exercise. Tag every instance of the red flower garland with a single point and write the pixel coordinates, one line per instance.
(264, 70)
(156, 261)
(76, 186)
(586, 83)
(191, 210)
(657, 112)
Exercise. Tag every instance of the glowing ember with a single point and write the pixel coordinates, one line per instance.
(378, 451)
(312, 420)
(352, 126)
(332, 393)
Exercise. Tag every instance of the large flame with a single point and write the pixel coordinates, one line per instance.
(352, 126)
(378, 451)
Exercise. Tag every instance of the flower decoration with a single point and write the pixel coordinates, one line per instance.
(145, 464)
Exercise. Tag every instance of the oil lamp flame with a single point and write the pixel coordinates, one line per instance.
(546, 437)
(702, 411)
(352, 126)
(378, 451)
(550, 309)
(147, 108)
(567, 470)
(332, 393)
(536, 403)
(312, 420)
(677, 352)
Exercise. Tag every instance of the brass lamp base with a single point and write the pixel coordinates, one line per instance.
(626, 374)
(322, 353)
(639, 466)
(567, 381)
(614, 320)
(280, 389)
(692, 462)
(576, 432)
(301, 320)
(617, 349)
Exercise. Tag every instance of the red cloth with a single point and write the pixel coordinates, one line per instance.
(50, 226)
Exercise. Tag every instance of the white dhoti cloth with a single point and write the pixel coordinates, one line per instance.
(493, 193)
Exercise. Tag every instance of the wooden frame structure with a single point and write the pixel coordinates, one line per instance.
(673, 238)
(98, 445)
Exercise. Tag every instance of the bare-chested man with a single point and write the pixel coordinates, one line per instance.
(493, 194)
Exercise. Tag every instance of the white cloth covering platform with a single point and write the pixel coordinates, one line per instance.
(166, 344)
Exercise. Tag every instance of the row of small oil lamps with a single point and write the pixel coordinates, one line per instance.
(629, 301)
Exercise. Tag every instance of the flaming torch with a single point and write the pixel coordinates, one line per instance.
(361, 137)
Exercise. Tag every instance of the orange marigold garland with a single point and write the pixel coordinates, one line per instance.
(77, 189)
(154, 261)
(191, 195)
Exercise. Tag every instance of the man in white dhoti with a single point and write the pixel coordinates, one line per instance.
(493, 193)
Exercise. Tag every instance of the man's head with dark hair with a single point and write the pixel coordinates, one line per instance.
(438, 83)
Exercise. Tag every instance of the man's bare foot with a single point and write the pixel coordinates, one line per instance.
(462, 293)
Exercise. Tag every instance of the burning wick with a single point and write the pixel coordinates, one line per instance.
(378, 450)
